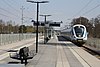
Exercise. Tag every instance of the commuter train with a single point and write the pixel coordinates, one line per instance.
(78, 34)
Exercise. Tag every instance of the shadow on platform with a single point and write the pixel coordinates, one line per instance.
(14, 62)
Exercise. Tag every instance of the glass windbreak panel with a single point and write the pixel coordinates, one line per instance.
(79, 31)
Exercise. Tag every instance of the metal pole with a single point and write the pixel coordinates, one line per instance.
(37, 20)
(45, 35)
(37, 28)
(45, 28)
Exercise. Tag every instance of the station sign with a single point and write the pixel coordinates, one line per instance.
(51, 24)
(55, 24)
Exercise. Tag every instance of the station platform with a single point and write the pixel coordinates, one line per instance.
(62, 54)
(57, 54)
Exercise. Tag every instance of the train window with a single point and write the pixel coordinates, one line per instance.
(79, 31)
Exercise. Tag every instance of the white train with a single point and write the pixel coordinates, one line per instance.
(78, 34)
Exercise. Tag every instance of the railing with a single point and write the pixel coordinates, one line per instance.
(11, 38)
(93, 42)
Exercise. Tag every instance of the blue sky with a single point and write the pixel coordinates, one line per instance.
(61, 10)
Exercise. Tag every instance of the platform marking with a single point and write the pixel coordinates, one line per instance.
(78, 57)
(61, 57)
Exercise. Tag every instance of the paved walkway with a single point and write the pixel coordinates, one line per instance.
(60, 54)
(53, 55)
(46, 56)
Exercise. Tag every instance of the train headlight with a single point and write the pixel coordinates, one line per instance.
(78, 35)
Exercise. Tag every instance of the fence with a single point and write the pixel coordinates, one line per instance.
(93, 42)
(11, 38)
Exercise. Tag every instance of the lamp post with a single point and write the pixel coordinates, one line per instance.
(37, 2)
(45, 31)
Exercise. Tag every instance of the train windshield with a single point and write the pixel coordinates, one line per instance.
(79, 31)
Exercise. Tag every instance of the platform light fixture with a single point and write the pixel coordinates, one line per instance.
(37, 2)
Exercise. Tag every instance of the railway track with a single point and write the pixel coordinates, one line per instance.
(95, 53)
(91, 51)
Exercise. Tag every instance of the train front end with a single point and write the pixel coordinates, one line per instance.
(79, 34)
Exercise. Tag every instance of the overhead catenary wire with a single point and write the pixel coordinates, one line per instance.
(91, 9)
(15, 10)
(28, 9)
(13, 1)
(18, 12)
(8, 12)
(83, 8)
(11, 6)
(6, 15)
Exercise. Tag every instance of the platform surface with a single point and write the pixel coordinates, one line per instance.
(55, 54)
(62, 54)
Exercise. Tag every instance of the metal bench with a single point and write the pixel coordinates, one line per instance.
(23, 54)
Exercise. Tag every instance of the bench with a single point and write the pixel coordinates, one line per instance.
(23, 54)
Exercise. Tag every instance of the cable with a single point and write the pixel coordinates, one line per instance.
(13, 1)
(91, 9)
(8, 11)
(28, 9)
(11, 6)
(5, 15)
(83, 8)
